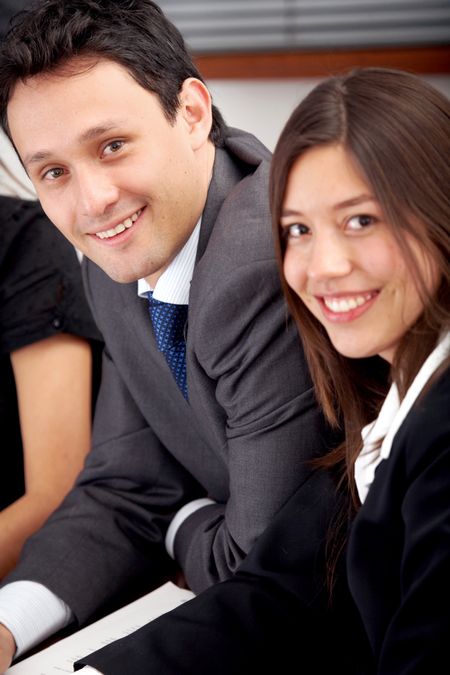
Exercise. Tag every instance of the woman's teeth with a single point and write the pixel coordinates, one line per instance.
(341, 305)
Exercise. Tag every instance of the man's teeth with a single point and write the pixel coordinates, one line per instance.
(121, 227)
(341, 305)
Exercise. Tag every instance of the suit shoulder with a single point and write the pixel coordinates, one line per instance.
(242, 229)
(432, 407)
(242, 232)
(426, 429)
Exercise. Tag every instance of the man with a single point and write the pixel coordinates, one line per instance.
(192, 457)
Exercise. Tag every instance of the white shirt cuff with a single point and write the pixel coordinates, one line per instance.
(179, 518)
(32, 613)
(89, 670)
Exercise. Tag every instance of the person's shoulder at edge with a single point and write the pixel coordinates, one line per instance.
(426, 424)
(32, 249)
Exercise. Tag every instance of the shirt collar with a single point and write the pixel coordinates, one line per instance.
(175, 282)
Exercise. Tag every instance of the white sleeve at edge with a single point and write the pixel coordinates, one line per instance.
(179, 518)
(32, 613)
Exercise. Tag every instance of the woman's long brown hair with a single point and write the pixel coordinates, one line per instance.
(396, 128)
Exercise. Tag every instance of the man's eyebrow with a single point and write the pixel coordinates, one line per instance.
(94, 132)
(38, 156)
(89, 135)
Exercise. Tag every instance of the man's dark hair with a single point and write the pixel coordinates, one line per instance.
(133, 33)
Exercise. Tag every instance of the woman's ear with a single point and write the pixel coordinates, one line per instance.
(196, 111)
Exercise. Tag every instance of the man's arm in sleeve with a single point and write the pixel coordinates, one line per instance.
(106, 540)
(273, 423)
(105, 543)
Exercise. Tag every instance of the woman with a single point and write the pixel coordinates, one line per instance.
(361, 199)
(47, 338)
(361, 215)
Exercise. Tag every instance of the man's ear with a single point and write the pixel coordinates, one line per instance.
(195, 110)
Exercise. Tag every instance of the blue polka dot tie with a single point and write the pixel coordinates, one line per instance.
(169, 321)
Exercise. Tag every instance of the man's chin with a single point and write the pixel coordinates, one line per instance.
(120, 275)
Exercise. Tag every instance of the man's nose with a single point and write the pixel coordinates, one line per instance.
(96, 192)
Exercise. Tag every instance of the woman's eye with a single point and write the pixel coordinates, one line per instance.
(296, 230)
(112, 147)
(360, 222)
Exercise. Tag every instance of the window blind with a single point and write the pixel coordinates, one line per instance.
(210, 26)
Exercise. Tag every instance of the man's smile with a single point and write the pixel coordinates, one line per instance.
(120, 227)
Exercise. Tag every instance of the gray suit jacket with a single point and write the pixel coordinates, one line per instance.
(243, 438)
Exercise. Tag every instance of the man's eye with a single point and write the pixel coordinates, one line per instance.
(360, 222)
(53, 174)
(112, 147)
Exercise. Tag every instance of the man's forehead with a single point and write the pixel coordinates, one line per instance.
(39, 108)
(76, 69)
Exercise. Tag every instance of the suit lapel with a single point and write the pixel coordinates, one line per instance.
(240, 156)
(225, 176)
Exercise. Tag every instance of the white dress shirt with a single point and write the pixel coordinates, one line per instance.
(28, 609)
(390, 418)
